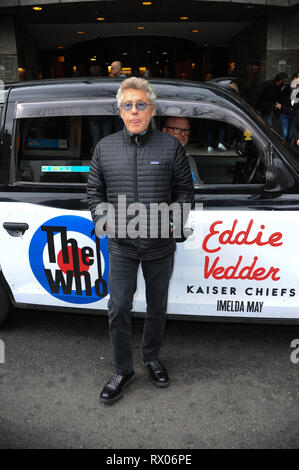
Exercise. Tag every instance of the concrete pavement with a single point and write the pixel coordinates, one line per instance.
(232, 386)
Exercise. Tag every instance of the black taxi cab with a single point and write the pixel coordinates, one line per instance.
(241, 260)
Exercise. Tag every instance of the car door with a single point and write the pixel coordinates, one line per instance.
(49, 253)
(241, 260)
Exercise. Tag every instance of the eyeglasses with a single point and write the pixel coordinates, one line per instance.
(179, 130)
(140, 105)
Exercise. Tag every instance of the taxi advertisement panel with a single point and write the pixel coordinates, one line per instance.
(241, 260)
(236, 264)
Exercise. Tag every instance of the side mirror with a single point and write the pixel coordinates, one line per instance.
(273, 178)
(278, 179)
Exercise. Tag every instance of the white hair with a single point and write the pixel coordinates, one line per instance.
(137, 84)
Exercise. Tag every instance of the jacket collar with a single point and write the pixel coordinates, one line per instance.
(138, 139)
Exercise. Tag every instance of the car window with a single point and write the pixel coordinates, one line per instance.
(224, 153)
(220, 152)
(55, 141)
(58, 149)
(243, 159)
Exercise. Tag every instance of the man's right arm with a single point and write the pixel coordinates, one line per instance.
(96, 187)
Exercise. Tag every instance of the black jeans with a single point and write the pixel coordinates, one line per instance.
(122, 286)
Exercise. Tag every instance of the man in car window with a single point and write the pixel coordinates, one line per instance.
(137, 165)
(179, 127)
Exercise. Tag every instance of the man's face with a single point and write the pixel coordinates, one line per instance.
(135, 120)
(282, 82)
(115, 69)
(179, 127)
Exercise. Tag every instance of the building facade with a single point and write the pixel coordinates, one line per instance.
(253, 40)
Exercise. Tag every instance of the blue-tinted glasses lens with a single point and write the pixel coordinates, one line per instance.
(140, 105)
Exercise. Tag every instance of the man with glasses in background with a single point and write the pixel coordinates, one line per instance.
(146, 166)
(179, 127)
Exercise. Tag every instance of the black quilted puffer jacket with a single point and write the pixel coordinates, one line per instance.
(148, 168)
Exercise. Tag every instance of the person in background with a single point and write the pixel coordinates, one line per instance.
(266, 96)
(208, 76)
(179, 127)
(215, 131)
(116, 70)
(287, 104)
(295, 140)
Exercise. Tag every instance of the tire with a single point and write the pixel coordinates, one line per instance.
(5, 304)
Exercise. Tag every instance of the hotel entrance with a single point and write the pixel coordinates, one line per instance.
(146, 56)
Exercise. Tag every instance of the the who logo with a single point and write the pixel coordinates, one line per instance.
(69, 261)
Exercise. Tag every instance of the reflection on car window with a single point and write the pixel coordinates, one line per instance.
(59, 149)
(218, 152)
(48, 133)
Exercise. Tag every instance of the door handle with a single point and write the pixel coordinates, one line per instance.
(188, 231)
(16, 229)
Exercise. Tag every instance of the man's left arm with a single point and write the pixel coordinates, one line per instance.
(182, 185)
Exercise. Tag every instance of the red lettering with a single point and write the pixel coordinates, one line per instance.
(240, 238)
(233, 268)
(249, 269)
(274, 238)
(247, 272)
(207, 272)
(207, 238)
(230, 233)
(244, 233)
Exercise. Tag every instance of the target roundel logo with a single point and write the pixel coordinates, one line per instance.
(69, 260)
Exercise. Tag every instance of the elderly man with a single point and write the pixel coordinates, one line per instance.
(179, 127)
(116, 68)
(145, 166)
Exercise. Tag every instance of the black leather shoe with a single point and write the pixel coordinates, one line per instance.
(115, 387)
(157, 373)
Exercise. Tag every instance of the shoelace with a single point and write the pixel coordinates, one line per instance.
(156, 365)
(115, 379)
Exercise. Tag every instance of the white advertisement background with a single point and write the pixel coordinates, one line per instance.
(189, 262)
(189, 266)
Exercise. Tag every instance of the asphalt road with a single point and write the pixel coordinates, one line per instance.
(232, 386)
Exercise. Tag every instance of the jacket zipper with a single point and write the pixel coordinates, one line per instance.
(136, 186)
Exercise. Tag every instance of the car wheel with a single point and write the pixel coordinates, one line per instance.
(5, 304)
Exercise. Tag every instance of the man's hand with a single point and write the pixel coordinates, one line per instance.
(278, 106)
(297, 142)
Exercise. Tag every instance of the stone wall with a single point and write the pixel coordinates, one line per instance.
(282, 45)
(8, 51)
